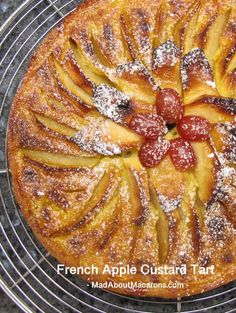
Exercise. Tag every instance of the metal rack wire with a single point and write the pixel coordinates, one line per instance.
(28, 272)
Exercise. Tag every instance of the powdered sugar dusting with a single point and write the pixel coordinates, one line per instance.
(145, 201)
(228, 133)
(195, 60)
(131, 68)
(137, 67)
(166, 54)
(141, 33)
(219, 228)
(225, 187)
(211, 83)
(111, 102)
(169, 204)
(92, 138)
(227, 105)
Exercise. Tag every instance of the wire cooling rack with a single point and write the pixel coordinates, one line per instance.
(28, 272)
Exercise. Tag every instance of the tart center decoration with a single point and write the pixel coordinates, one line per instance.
(153, 127)
(122, 142)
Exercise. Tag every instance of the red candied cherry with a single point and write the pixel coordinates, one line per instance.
(153, 151)
(193, 128)
(148, 125)
(182, 154)
(169, 105)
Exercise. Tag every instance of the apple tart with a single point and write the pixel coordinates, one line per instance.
(121, 142)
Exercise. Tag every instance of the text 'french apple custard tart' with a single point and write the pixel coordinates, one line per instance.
(122, 144)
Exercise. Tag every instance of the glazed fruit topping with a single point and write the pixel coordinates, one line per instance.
(169, 105)
(194, 128)
(182, 154)
(149, 126)
(153, 151)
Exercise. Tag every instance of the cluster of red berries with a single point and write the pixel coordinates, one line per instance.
(169, 110)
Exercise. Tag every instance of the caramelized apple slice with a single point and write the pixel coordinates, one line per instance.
(29, 134)
(53, 93)
(166, 66)
(169, 15)
(146, 244)
(106, 137)
(140, 200)
(109, 217)
(70, 85)
(92, 73)
(131, 78)
(102, 194)
(48, 108)
(197, 77)
(143, 214)
(138, 187)
(54, 104)
(174, 220)
(225, 191)
(206, 170)
(101, 55)
(139, 24)
(98, 197)
(124, 136)
(128, 210)
(55, 208)
(184, 229)
(163, 176)
(106, 38)
(134, 79)
(61, 109)
(60, 160)
(207, 13)
(215, 109)
(224, 138)
(108, 44)
(209, 28)
(185, 28)
(225, 60)
(55, 126)
(112, 42)
(131, 161)
(136, 217)
(167, 201)
(217, 137)
(65, 60)
(162, 228)
(74, 71)
(218, 240)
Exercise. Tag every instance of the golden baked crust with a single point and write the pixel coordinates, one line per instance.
(76, 174)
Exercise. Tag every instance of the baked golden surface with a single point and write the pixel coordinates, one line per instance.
(76, 173)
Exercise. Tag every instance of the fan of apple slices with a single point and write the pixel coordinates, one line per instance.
(124, 133)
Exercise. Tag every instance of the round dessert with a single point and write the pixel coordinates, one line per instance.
(121, 144)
